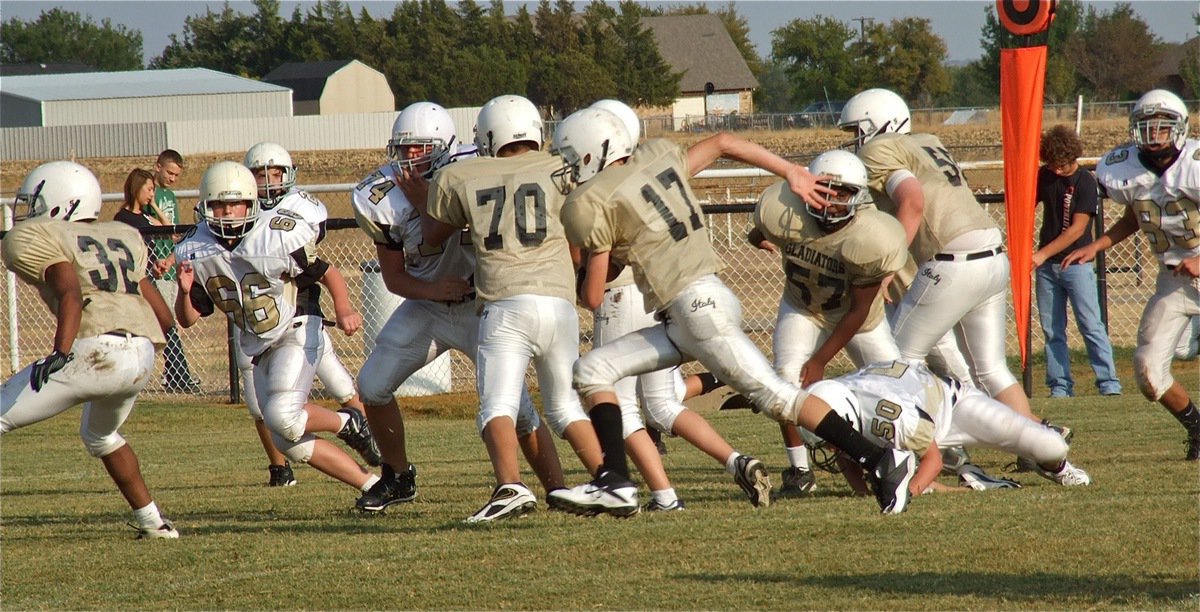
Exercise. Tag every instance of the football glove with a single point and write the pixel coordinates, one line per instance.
(44, 367)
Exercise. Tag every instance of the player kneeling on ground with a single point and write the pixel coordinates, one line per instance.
(110, 316)
(252, 270)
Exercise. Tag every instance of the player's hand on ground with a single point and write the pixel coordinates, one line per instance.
(349, 322)
(44, 367)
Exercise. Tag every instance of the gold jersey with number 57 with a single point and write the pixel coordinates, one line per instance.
(254, 283)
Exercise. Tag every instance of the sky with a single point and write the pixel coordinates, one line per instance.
(958, 22)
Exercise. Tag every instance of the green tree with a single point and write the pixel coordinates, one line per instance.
(909, 60)
(1189, 66)
(1062, 80)
(642, 76)
(220, 41)
(816, 57)
(67, 36)
(1115, 53)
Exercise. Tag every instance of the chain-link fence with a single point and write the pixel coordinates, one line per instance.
(753, 275)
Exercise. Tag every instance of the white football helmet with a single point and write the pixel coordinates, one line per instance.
(270, 155)
(228, 181)
(61, 190)
(873, 112)
(588, 141)
(632, 122)
(849, 175)
(1158, 112)
(504, 120)
(426, 125)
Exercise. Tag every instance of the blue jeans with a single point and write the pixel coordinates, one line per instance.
(1078, 284)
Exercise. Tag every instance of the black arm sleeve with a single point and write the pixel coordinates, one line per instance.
(312, 272)
(200, 300)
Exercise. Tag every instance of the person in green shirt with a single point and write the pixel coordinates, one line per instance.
(168, 167)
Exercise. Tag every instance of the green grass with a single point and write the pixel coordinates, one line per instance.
(1130, 541)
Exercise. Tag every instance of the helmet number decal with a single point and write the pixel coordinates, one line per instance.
(108, 282)
(946, 163)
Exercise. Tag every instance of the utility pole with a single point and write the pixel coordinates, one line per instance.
(863, 22)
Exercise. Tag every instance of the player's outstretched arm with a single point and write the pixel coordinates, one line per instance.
(803, 183)
(1122, 229)
(348, 319)
(927, 470)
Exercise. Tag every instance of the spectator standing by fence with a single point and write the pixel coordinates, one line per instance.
(177, 375)
(1069, 197)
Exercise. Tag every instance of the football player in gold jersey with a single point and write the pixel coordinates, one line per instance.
(110, 322)
(963, 278)
(835, 261)
(637, 206)
(525, 288)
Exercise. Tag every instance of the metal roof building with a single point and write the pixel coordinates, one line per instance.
(139, 96)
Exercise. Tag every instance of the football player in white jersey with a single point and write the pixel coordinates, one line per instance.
(275, 174)
(618, 308)
(525, 283)
(254, 271)
(437, 314)
(835, 261)
(637, 206)
(902, 403)
(110, 323)
(1157, 178)
(962, 281)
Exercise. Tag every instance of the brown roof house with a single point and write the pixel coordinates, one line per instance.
(1176, 59)
(715, 77)
(333, 87)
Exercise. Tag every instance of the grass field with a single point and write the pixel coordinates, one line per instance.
(1130, 541)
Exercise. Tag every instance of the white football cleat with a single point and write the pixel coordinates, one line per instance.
(508, 501)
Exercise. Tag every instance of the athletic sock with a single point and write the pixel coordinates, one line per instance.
(709, 383)
(664, 497)
(370, 483)
(606, 418)
(731, 463)
(798, 457)
(1189, 417)
(839, 433)
(147, 517)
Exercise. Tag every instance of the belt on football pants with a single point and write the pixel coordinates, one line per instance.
(968, 256)
(295, 325)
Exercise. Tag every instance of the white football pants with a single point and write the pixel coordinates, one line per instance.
(703, 323)
(1170, 310)
(797, 337)
(106, 375)
(657, 393)
(415, 334)
(968, 297)
(336, 378)
(980, 421)
(514, 331)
